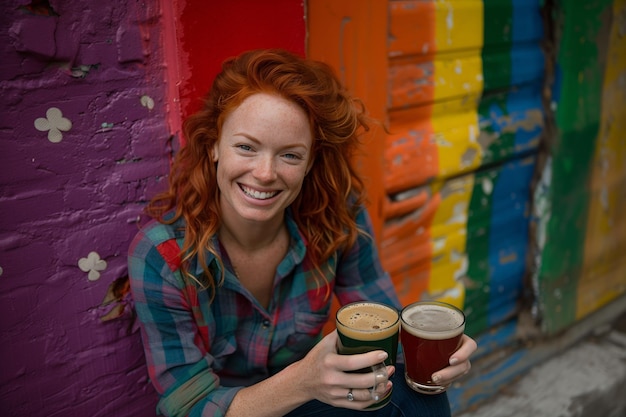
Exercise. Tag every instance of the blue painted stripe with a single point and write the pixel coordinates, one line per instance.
(508, 238)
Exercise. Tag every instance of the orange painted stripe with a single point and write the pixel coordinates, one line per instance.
(411, 157)
(412, 28)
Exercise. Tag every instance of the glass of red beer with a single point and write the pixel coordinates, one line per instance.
(430, 333)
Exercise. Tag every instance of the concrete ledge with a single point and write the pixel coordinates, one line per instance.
(579, 372)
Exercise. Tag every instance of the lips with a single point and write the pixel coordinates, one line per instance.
(258, 195)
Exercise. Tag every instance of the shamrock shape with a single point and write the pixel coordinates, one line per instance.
(92, 264)
(54, 123)
(147, 102)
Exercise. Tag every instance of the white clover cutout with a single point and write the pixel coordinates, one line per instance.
(54, 123)
(147, 102)
(93, 265)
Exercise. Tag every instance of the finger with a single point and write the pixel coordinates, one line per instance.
(370, 394)
(467, 348)
(375, 382)
(361, 397)
(363, 381)
(330, 340)
(360, 361)
(380, 390)
(451, 373)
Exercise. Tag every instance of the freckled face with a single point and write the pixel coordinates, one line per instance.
(263, 155)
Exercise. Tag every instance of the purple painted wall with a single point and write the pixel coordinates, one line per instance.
(83, 142)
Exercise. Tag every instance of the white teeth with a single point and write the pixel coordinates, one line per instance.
(258, 194)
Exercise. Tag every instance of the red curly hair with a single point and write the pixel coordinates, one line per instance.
(332, 191)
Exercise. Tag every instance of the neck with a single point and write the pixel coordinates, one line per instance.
(250, 236)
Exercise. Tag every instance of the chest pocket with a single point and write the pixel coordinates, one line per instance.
(307, 329)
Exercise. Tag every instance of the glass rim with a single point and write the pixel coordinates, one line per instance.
(434, 302)
(377, 303)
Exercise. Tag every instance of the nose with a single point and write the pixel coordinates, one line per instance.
(265, 169)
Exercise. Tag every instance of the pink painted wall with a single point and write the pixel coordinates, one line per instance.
(89, 118)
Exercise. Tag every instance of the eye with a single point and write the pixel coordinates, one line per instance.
(292, 156)
(245, 147)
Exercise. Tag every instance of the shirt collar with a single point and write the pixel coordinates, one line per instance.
(295, 254)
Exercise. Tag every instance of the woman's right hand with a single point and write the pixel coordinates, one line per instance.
(321, 375)
(325, 374)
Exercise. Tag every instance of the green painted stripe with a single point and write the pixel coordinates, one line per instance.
(498, 19)
(578, 95)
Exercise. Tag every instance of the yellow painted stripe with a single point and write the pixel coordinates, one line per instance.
(456, 128)
(458, 84)
(448, 234)
(459, 25)
(604, 268)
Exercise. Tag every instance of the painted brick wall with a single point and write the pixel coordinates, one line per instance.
(579, 263)
(83, 141)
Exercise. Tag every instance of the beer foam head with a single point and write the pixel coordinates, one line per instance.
(367, 320)
(433, 321)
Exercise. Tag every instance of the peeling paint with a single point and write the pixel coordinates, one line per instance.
(579, 237)
(437, 89)
(68, 234)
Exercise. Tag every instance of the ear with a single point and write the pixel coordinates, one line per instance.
(215, 156)
(308, 169)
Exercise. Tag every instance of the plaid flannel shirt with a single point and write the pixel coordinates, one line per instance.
(200, 353)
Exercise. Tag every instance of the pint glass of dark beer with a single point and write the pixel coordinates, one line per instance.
(364, 326)
(430, 333)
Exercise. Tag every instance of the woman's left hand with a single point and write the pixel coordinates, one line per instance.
(459, 363)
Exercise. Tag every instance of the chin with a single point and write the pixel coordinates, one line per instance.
(255, 215)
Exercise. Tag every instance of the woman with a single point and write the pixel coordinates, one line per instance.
(262, 222)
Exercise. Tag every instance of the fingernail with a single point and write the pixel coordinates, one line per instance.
(454, 361)
(382, 356)
(436, 378)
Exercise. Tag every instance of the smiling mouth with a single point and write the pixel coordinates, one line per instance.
(259, 195)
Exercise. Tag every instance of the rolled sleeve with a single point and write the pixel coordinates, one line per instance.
(179, 367)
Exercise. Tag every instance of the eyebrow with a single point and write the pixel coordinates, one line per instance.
(255, 140)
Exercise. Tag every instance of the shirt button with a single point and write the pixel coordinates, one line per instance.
(266, 323)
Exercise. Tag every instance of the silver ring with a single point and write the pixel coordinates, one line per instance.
(350, 397)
